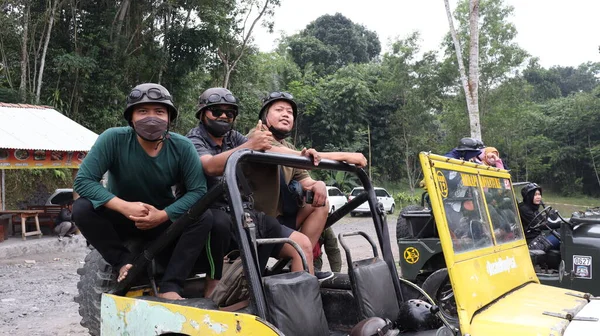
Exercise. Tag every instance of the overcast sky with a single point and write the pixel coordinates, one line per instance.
(559, 32)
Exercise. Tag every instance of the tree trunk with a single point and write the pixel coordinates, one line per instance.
(43, 59)
(469, 84)
(24, 58)
(5, 64)
(474, 69)
(230, 67)
(593, 160)
(409, 174)
(120, 17)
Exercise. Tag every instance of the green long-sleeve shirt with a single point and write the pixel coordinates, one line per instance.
(135, 176)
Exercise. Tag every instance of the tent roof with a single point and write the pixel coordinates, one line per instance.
(41, 128)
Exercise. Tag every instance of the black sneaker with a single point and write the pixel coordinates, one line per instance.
(322, 276)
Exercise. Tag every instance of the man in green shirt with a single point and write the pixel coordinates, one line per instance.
(143, 162)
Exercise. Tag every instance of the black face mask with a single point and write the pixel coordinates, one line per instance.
(277, 134)
(217, 128)
(151, 128)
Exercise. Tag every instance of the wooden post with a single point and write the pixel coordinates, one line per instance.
(74, 174)
(3, 193)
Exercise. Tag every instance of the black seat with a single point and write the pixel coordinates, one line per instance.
(371, 282)
(294, 304)
(538, 257)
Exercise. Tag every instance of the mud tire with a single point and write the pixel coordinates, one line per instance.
(96, 277)
(438, 286)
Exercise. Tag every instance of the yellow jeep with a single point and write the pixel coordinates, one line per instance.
(495, 287)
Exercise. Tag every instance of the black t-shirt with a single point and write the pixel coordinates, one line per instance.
(205, 145)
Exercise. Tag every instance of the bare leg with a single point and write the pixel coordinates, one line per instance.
(312, 219)
(287, 251)
(169, 296)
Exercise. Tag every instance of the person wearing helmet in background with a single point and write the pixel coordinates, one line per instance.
(529, 209)
(215, 140)
(143, 161)
(271, 189)
(468, 149)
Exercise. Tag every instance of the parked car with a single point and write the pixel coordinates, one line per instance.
(60, 196)
(382, 196)
(336, 198)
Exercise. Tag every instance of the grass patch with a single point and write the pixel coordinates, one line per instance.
(566, 205)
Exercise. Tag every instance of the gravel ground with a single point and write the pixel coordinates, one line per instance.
(37, 298)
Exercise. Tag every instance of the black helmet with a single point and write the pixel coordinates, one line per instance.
(469, 144)
(149, 93)
(215, 96)
(275, 96)
(529, 188)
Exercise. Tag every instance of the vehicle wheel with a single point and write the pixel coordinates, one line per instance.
(96, 277)
(332, 210)
(402, 230)
(392, 209)
(438, 286)
(353, 214)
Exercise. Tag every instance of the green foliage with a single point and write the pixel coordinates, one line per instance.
(343, 180)
(331, 42)
(404, 199)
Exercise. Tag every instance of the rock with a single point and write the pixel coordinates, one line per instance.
(35, 309)
(30, 261)
(9, 300)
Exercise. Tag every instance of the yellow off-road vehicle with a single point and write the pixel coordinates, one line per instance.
(370, 297)
(491, 284)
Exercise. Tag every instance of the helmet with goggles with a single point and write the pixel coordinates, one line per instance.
(149, 93)
(469, 144)
(277, 96)
(216, 96)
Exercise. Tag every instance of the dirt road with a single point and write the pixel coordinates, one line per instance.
(37, 298)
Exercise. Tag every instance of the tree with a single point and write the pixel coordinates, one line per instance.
(333, 41)
(53, 6)
(230, 53)
(470, 85)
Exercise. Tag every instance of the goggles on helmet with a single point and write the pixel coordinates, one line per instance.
(216, 98)
(276, 94)
(153, 93)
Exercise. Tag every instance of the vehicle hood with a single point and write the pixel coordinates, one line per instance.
(576, 327)
(521, 312)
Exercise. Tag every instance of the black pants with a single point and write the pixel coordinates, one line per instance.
(267, 227)
(107, 230)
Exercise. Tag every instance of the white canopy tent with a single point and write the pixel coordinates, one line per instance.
(38, 137)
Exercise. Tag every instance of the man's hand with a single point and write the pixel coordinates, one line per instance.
(311, 153)
(356, 159)
(260, 139)
(136, 209)
(153, 219)
(320, 194)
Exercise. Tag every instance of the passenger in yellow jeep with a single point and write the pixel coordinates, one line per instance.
(143, 161)
(277, 116)
(215, 140)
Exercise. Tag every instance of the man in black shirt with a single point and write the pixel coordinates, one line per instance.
(63, 225)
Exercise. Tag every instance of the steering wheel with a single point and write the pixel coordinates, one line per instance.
(541, 223)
